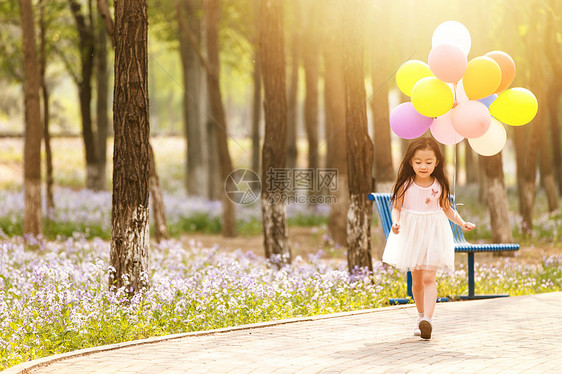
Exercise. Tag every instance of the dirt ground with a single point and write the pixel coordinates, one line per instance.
(309, 240)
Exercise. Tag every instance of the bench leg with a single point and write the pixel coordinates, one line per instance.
(471, 295)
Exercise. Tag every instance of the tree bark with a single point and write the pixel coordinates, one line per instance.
(359, 144)
(102, 120)
(197, 179)
(272, 60)
(158, 210)
(334, 104)
(46, 106)
(217, 110)
(86, 47)
(129, 254)
(33, 215)
(497, 199)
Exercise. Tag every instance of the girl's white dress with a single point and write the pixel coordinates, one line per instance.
(425, 240)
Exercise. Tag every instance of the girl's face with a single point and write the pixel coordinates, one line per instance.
(424, 162)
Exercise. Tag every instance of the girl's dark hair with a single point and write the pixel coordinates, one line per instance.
(406, 172)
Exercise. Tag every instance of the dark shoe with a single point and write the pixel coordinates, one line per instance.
(425, 328)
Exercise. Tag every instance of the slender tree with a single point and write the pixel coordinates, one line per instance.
(33, 216)
(256, 98)
(129, 255)
(334, 104)
(293, 85)
(359, 144)
(197, 178)
(527, 138)
(85, 28)
(311, 64)
(272, 60)
(553, 55)
(46, 106)
(159, 214)
(380, 74)
(217, 110)
(102, 94)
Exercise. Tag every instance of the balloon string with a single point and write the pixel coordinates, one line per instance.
(454, 95)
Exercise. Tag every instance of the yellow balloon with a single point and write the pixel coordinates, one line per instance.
(515, 106)
(482, 78)
(432, 97)
(409, 73)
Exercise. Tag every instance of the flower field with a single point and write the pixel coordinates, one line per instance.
(54, 296)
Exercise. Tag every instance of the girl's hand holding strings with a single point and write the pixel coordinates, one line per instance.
(468, 226)
(396, 228)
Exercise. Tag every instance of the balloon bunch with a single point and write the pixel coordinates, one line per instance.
(456, 99)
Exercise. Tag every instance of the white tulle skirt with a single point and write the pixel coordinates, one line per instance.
(425, 241)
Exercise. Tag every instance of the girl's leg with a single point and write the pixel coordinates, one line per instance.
(417, 289)
(429, 292)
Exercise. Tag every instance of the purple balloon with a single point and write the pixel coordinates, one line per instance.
(407, 123)
(488, 100)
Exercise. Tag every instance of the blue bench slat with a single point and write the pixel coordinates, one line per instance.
(461, 245)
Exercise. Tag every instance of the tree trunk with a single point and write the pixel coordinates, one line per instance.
(33, 216)
(45, 94)
(86, 46)
(311, 64)
(553, 99)
(471, 166)
(217, 110)
(380, 71)
(334, 104)
(256, 112)
(527, 146)
(359, 144)
(292, 102)
(497, 199)
(547, 176)
(272, 60)
(129, 255)
(158, 211)
(554, 57)
(102, 120)
(197, 179)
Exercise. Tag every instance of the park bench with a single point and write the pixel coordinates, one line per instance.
(384, 208)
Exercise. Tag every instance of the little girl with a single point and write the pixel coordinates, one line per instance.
(421, 240)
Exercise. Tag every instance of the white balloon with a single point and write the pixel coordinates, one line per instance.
(452, 32)
(493, 140)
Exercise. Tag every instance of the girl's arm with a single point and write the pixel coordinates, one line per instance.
(395, 214)
(454, 216)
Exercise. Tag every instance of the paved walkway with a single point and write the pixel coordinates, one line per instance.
(506, 335)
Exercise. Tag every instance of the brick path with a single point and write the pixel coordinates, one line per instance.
(506, 335)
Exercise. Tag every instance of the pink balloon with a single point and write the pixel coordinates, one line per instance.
(447, 62)
(471, 119)
(443, 131)
(407, 123)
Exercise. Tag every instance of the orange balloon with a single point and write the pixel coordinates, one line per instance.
(507, 67)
